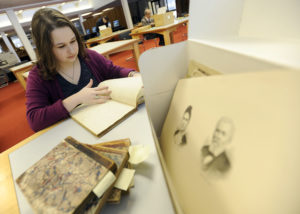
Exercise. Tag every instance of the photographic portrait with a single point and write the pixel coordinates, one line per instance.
(180, 134)
(214, 155)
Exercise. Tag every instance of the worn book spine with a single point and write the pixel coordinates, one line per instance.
(120, 157)
(107, 162)
(122, 144)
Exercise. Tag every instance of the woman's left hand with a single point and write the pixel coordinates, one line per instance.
(134, 74)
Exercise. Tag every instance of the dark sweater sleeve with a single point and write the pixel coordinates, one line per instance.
(97, 26)
(43, 107)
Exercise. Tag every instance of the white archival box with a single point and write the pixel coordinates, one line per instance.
(235, 36)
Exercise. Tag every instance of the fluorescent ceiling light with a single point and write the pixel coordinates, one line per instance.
(107, 9)
(86, 14)
(96, 14)
(74, 19)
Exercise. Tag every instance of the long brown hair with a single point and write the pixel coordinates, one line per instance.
(44, 21)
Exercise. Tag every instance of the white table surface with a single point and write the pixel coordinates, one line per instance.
(150, 194)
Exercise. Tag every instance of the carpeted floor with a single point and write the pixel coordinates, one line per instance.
(13, 124)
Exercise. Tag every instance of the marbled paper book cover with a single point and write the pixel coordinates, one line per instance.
(61, 180)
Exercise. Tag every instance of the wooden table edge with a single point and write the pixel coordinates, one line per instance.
(8, 202)
(161, 28)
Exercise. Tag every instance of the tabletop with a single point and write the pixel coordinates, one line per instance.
(163, 28)
(150, 194)
(108, 47)
(106, 38)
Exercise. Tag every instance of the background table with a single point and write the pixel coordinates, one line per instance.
(19, 70)
(108, 48)
(101, 40)
(165, 30)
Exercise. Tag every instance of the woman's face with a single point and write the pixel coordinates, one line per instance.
(65, 45)
(184, 121)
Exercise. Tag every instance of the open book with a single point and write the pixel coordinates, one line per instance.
(126, 94)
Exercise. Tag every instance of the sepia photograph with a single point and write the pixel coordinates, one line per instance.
(180, 134)
(214, 154)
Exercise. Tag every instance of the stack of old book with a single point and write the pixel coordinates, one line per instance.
(77, 178)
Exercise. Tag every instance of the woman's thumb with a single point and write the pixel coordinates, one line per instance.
(90, 84)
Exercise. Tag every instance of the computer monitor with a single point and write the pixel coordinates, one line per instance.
(16, 41)
(175, 13)
(116, 23)
(88, 31)
(171, 4)
(94, 29)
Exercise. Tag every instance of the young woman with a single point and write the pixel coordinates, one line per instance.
(66, 74)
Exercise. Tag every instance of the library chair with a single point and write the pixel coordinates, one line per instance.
(143, 36)
(149, 43)
(3, 78)
(140, 36)
(185, 31)
(144, 39)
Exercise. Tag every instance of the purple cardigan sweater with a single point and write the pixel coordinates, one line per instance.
(44, 97)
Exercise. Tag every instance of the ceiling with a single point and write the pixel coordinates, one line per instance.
(25, 4)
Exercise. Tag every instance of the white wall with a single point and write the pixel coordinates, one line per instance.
(214, 18)
(226, 61)
(271, 19)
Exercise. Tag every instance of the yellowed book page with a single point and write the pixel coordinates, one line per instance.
(231, 143)
(105, 183)
(126, 90)
(197, 70)
(97, 118)
(125, 179)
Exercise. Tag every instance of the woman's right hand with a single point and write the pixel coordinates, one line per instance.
(89, 95)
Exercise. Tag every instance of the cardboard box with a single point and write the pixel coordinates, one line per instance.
(163, 19)
(105, 32)
(233, 41)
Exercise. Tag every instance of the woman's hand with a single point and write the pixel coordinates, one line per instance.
(137, 74)
(134, 74)
(87, 95)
